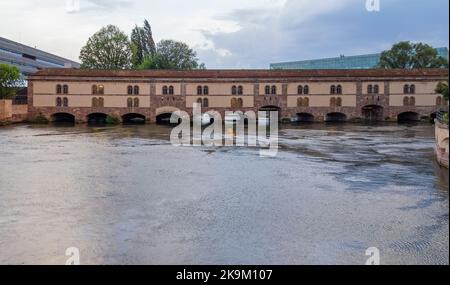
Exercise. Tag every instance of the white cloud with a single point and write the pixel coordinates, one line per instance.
(226, 33)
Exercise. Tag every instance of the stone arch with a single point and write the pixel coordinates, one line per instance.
(304, 118)
(96, 118)
(408, 116)
(163, 114)
(165, 109)
(133, 118)
(63, 117)
(336, 117)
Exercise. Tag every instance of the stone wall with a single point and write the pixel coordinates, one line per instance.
(442, 148)
(5, 110)
(19, 113)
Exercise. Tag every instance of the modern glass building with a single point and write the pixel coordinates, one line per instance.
(343, 62)
(30, 60)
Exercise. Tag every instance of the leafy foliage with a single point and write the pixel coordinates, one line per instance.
(109, 48)
(407, 55)
(112, 120)
(142, 43)
(172, 55)
(9, 81)
(442, 88)
(39, 120)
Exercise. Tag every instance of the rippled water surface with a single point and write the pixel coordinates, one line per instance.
(124, 195)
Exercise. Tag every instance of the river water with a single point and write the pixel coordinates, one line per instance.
(125, 195)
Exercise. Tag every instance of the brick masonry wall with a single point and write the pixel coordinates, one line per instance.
(171, 102)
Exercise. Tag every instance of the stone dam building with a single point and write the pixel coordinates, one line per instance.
(299, 95)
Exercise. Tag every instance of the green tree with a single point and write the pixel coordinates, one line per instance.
(109, 48)
(407, 55)
(142, 43)
(442, 88)
(172, 55)
(9, 81)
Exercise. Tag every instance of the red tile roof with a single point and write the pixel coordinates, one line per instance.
(249, 73)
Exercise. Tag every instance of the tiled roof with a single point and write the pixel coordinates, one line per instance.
(241, 73)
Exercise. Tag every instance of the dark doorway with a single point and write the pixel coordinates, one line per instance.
(408, 117)
(305, 118)
(96, 119)
(335, 117)
(63, 118)
(372, 113)
(164, 119)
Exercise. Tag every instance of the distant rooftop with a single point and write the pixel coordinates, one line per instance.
(62, 73)
(367, 61)
(30, 60)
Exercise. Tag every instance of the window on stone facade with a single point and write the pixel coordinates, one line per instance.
(200, 101)
(412, 89)
(58, 102)
(199, 90)
(94, 102)
(370, 89)
(240, 90)
(101, 89)
(406, 89)
(171, 90)
(412, 101)
(65, 102)
(65, 89)
(205, 90)
(130, 90)
(405, 101)
(303, 102)
(267, 90)
(240, 102)
(274, 90)
(306, 89)
(333, 89)
(233, 90)
(233, 103)
(376, 89)
(439, 101)
(136, 90)
(136, 102)
(338, 102)
(339, 89)
(58, 89)
(205, 103)
(165, 90)
(101, 102)
(300, 90)
(94, 89)
(129, 102)
(332, 102)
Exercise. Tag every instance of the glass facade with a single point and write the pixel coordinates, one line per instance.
(343, 62)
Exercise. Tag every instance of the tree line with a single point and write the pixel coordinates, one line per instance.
(110, 48)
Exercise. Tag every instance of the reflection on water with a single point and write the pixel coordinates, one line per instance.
(124, 195)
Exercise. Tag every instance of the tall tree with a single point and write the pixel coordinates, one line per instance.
(142, 42)
(109, 48)
(172, 55)
(407, 55)
(9, 81)
(149, 38)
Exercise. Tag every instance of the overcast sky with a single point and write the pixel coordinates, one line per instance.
(233, 33)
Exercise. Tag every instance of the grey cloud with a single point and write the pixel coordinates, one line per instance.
(266, 36)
